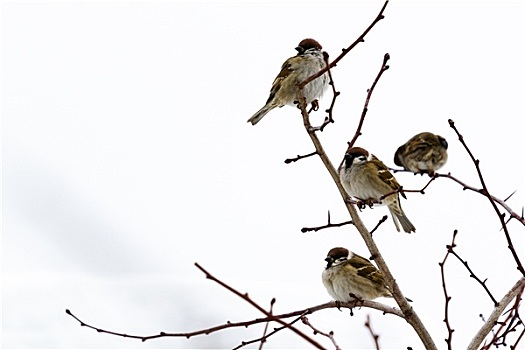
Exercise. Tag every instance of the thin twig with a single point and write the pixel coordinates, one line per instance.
(385, 309)
(328, 225)
(448, 340)
(383, 219)
(473, 275)
(299, 157)
(374, 335)
(263, 338)
(329, 335)
(258, 307)
(487, 194)
(360, 39)
(329, 119)
(502, 203)
(384, 68)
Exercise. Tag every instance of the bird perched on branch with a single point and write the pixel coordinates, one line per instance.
(423, 153)
(367, 179)
(308, 61)
(349, 276)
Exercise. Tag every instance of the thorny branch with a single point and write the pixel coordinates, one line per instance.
(487, 194)
(360, 39)
(513, 214)
(447, 297)
(472, 274)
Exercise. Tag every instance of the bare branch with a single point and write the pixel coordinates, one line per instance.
(384, 67)
(374, 335)
(473, 275)
(448, 340)
(360, 39)
(516, 290)
(385, 309)
(258, 307)
(410, 315)
(383, 219)
(263, 338)
(290, 160)
(487, 194)
(329, 119)
(329, 335)
(328, 225)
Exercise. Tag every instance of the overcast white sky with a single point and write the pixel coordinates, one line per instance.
(126, 158)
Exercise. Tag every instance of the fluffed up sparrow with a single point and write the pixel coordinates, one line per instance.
(349, 276)
(308, 61)
(423, 153)
(366, 178)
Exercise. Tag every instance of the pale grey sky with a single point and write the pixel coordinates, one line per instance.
(127, 157)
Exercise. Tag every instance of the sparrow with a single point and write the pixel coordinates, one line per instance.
(423, 153)
(348, 276)
(308, 61)
(366, 178)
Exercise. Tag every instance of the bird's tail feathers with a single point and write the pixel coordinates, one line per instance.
(400, 218)
(260, 114)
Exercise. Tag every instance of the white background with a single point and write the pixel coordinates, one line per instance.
(127, 158)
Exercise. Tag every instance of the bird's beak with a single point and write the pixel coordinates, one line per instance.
(329, 260)
(299, 49)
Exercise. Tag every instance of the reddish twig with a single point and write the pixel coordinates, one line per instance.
(374, 335)
(329, 119)
(473, 275)
(384, 67)
(360, 39)
(245, 297)
(502, 203)
(385, 309)
(328, 225)
(329, 335)
(263, 338)
(447, 297)
(487, 194)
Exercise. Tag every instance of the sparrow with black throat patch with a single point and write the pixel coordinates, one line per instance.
(367, 179)
(348, 277)
(308, 61)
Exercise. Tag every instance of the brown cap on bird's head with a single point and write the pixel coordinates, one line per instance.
(357, 151)
(309, 43)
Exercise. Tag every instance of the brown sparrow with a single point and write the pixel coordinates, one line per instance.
(423, 153)
(308, 61)
(349, 276)
(366, 178)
